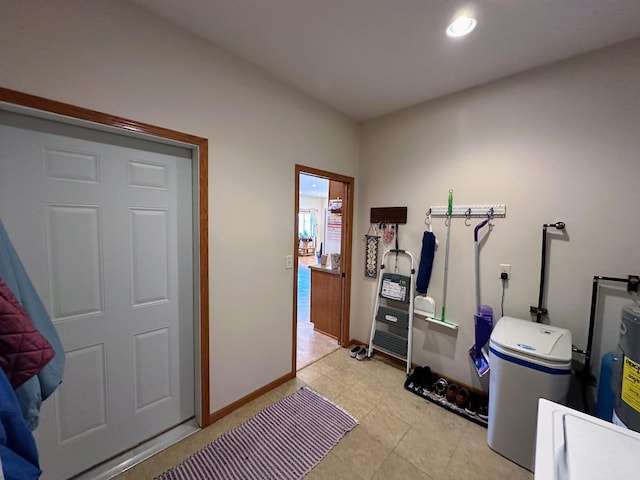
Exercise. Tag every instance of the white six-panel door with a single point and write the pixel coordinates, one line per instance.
(105, 234)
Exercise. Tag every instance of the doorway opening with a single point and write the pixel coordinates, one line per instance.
(312, 226)
(324, 206)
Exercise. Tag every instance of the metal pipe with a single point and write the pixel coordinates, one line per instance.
(542, 270)
(592, 321)
(559, 226)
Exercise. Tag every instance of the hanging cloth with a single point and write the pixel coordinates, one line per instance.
(32, 392)
(371, 254)
(388, 233)
(23, 349)
(426, 262)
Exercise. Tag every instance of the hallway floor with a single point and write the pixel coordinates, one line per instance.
(399, 436)
(311, 345)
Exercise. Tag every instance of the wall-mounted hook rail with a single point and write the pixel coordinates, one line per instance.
(388, 215)
(499, 210)
(467, 217)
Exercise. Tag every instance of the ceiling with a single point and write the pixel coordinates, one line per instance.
(313, 186)
(366, 58)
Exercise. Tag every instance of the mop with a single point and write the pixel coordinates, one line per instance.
(483, 317)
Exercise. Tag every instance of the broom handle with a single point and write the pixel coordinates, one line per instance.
(446, 256)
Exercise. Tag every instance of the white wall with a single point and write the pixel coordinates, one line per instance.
(116, 58)
(556, 143)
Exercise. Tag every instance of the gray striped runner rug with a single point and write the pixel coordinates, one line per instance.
(283, 441)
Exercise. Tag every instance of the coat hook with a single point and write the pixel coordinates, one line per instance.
(467, 220)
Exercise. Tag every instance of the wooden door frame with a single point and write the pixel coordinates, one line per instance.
(345, 257)
(131, 128)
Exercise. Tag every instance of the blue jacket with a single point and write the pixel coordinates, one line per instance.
(31, 393)
(18, 451)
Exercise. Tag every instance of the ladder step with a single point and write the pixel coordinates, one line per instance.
(393, 343)
(393, 316)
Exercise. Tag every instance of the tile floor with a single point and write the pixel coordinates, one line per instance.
(311, 345)
(399, 436)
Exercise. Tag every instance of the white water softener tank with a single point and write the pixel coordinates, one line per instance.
(528, 361)
(626, 378)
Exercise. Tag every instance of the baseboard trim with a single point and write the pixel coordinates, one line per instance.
(218, 414)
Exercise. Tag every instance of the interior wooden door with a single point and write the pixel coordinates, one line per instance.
(104, 232)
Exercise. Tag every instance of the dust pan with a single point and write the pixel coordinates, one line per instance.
(425, 306)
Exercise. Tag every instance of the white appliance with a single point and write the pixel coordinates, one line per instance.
(572, 445)
(528, 361)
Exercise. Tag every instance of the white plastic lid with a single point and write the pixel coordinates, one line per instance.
(533, 339)
(572, 445)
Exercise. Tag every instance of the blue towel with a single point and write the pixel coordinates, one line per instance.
(426, 262)
(31, 393)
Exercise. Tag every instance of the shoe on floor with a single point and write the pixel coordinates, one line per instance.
(462, 397)
(354, 351)
(362, 354)
(427, 379)
(412, 380)
(440, 387)
(483, 411)
(472, 405)
(452, 390)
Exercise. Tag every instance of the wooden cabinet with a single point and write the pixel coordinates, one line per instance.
(326, 300)
(336, 190)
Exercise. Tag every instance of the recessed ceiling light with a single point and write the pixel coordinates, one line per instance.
(461, 26)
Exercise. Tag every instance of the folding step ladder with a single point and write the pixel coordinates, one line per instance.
(392, 325)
